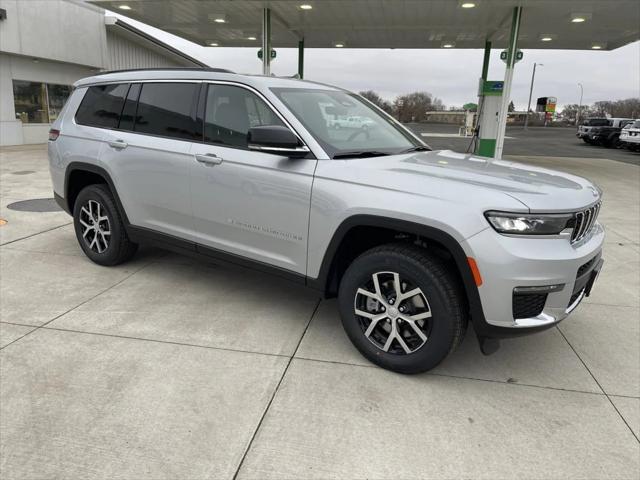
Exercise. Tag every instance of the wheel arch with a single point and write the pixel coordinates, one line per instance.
(79, 175)
(369, 231)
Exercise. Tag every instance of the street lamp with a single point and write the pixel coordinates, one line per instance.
(579, 114)
(533, 77)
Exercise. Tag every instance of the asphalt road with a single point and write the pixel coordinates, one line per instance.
(535, 141)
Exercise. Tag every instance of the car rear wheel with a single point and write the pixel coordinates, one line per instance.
(402, 308)
(99, 227)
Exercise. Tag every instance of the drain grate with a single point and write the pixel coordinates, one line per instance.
(24, 172)
(35, 205)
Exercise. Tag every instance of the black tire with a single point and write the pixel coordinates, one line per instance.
(613, 142)
(444, 330)
(118, 248)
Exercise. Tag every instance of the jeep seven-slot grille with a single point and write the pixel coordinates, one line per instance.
(584, 220)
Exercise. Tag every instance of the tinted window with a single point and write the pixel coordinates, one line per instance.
(101, 105)
(168, 109)
(596, 122)
(231, 111)
(130, 105)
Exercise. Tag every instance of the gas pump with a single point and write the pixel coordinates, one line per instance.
(490, 93)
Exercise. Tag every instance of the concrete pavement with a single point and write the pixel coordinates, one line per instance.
(169, 368)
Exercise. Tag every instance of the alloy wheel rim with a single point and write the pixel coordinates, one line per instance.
(96, 228)
(393, 313)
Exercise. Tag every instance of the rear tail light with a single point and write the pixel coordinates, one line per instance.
(54, 134)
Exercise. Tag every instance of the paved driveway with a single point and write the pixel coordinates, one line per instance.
(169, 368)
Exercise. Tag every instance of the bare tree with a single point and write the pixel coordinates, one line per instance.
(413, 107)
(627, 108)
(376, 99)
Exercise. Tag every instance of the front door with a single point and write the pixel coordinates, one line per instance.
(248, 203)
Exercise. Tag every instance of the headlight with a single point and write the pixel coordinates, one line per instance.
(530, 224)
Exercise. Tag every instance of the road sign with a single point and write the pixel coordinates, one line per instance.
(273, 54)
(519, 55)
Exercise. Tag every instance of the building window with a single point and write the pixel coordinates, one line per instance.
(58, 95)
(37, 102)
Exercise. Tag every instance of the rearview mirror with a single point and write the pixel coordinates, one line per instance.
(277, 140)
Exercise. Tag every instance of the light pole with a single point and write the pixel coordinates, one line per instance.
(579, 114)
(533, 77)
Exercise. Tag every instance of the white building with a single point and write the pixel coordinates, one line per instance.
(46, 45)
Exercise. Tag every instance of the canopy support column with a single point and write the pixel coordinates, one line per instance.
(266, 41)
(301, 58)
(508, 79)
(485, 61)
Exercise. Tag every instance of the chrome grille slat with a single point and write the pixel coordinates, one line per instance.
(584, 221)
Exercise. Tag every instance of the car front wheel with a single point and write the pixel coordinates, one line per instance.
(402, 308)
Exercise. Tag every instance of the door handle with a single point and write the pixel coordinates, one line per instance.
(208, 159)
(118, 144)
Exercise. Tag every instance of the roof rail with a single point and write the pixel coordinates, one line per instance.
(158, 69)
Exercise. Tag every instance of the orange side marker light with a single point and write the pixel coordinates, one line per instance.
(475, 271)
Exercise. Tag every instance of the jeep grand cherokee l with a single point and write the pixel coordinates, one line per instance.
(245, 170)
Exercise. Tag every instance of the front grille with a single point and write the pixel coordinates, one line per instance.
(584, 220)
(528, 305)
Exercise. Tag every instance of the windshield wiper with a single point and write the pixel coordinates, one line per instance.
(417, 148)
(360, 154)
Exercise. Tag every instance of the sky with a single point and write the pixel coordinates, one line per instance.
(451, 75)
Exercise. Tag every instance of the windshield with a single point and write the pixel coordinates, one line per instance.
(635, 124)
(344, 124)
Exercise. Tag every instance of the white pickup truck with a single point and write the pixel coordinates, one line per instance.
(351, 122)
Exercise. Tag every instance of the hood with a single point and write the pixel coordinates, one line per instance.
(539, 189)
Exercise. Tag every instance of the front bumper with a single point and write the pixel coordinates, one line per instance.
(507, 262)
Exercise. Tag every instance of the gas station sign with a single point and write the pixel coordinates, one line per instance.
(273, 54)
(546, 104)
(504, 54)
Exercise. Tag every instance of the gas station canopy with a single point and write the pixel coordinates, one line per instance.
(546, 24)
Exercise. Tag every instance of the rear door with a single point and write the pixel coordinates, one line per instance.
(149, 156)
(248, 203)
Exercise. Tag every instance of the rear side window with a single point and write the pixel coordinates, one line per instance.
(101, 105)
(168, 110)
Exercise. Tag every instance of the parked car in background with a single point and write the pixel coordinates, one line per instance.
(586, 126)
(586, 131)
(608, 136)
(630, 136)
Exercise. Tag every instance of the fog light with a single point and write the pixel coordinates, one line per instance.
(539, 288)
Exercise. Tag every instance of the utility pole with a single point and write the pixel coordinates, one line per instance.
(579, 114)
(533, 77)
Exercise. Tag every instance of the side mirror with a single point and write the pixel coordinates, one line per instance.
(276, 140)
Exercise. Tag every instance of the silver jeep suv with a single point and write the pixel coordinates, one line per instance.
(253, 171)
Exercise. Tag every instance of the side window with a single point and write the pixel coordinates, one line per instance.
(127, 119)
(230, 113)
(168, 110)
(101, 105)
